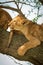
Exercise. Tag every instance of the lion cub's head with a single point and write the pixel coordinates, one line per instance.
(18, 23)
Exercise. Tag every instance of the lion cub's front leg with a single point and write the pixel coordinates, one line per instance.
(33, 42)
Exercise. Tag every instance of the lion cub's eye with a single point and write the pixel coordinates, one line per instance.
(24, 22)
(14, 21)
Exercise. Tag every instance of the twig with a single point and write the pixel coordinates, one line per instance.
(16, 4)
(21, 6)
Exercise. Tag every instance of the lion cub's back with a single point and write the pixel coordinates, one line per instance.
(36, 30)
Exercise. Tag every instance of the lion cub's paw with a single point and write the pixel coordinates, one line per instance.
(21, 50)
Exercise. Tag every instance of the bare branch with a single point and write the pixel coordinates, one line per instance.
(6, 2)
(38, 11)
(17, 2)
(21, 6)
(8, 7)
(11, 8)
(10, 2)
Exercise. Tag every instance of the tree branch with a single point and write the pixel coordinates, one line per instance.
(11, 8)
(8, 7)
(21, 6)
(14, 9)
(6, 2)
(17, 2)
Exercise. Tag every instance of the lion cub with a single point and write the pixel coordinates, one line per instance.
(32, 31)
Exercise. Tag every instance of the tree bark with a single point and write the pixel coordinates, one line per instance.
(34, 55)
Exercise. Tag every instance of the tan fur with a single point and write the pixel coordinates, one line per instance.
(32, 31)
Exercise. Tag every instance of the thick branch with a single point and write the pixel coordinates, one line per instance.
(11, 8)
(8, 7)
